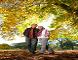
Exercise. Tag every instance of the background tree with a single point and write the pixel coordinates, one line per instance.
(19, 14)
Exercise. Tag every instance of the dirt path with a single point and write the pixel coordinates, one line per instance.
(24, 55)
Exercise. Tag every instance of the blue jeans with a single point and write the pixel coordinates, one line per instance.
(43, 42)
(31, 44)
(44, 45)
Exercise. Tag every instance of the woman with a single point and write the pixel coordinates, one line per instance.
(43, 36)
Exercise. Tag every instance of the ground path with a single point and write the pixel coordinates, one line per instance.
(24, 55)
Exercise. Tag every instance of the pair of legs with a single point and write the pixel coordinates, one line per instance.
(43, 42)
(31, 44)
(44, 46)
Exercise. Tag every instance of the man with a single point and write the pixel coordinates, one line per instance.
(31, 37)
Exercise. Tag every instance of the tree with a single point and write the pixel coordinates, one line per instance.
(19, 14)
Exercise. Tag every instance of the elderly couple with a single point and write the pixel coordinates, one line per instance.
(34, 34)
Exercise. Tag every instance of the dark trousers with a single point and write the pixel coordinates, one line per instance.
(31, 44)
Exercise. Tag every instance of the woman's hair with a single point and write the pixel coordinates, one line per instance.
(41, 27)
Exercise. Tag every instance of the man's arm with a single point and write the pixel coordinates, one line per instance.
(25, 33)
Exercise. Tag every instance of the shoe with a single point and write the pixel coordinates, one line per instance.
(51, 53)
(33, 52)
(41, 53)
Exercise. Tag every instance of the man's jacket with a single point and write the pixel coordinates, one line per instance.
(27, 31)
